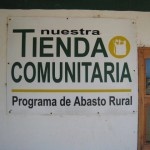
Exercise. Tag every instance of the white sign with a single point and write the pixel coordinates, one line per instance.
(71, 66)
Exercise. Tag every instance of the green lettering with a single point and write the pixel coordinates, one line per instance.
(16, 64)
(86, 64)
(60, 44)
(108, 70)
(125, 73)
(24, 32)
(70, 72)
(43, 46)
(26, 68)
(43, 74)
(96, 73)
(99, 48)
(55, 71)
(86, 49)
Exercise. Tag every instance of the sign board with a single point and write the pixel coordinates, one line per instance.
(71, 66)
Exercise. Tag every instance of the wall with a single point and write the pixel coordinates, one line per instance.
(81, 132)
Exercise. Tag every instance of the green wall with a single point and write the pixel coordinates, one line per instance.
(123, 5)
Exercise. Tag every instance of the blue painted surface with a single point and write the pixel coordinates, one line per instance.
(147, 68)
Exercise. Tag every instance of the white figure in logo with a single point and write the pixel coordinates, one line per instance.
(120, 47)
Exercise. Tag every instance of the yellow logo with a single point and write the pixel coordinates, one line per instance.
(119, 47)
